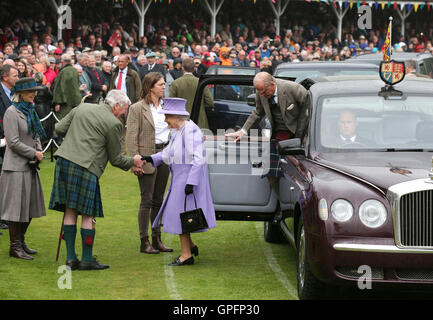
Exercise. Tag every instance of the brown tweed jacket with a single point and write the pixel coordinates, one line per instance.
(140, 133)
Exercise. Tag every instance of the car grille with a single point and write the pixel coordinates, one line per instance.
(415, 274)
(416, 219)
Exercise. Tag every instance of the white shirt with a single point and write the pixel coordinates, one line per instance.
(124, 73)
(352, 139)
(2, 143)
(162, 130)
(275, 97)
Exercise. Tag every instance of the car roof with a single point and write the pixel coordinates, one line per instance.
(395, 56)
(325, 64)
(367, 84)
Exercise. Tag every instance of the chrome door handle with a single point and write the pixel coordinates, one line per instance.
(257, 164)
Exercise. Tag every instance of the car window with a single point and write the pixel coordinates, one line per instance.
(429, 67)
(422, 68)
(375, 123)
(232, 92)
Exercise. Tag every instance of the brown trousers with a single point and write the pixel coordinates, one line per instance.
(152, 188)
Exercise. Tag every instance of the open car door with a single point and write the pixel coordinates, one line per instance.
(239, 190)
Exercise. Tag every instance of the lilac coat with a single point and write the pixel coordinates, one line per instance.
(185, 155)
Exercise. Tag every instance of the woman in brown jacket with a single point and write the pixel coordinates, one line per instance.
(147, 133)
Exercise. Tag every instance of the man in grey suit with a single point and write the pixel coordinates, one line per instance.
(285, 104)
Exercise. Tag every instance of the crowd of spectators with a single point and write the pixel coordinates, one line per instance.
(31, 44)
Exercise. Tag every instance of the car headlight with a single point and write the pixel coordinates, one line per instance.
(372, 213)
(341, 210)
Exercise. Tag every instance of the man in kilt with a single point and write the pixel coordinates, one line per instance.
(92, 134)
(285, 104)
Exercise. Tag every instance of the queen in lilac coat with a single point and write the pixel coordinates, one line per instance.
(186, 158)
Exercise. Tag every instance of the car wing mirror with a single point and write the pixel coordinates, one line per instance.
(251, 100)
(290, 147)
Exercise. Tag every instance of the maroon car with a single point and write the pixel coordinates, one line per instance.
(360, 205)
(356, 198)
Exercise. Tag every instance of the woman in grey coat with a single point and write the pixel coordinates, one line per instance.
(21, 198)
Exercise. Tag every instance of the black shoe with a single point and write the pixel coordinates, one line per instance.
(177, 262)
(73, 264)
(92, 265)
(3, 226)
(194, 251)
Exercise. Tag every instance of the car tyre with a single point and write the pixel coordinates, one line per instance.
(309, 287)
(272, 233)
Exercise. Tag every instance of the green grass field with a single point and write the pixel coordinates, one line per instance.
(234, 260)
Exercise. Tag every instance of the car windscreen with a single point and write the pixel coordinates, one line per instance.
(375, 123)
(314, 73)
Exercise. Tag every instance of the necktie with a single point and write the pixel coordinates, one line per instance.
(272, 101)
(99, 80)
(119, 82)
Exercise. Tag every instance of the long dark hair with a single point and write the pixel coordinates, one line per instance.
(148, 82)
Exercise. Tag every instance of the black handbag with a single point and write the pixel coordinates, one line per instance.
(192, 220)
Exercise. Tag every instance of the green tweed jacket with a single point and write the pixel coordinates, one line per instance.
(185, 87)
(92, 138)
(66, 91)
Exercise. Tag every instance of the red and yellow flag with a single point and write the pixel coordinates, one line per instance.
(386, 49)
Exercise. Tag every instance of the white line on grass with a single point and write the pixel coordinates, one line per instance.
(169, 278)
(273, 263)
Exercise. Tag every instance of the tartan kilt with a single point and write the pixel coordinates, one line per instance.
(76, 188)
(274, 169)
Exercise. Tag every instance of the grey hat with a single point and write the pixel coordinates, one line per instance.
(151, 54)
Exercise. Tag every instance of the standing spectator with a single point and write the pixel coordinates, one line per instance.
(106, 74)
(242, 60)
(128, 81)
(66, 93)
(82, 61)
(22, 198)
(21, 64)
(8, 78)
(175, 53)
(185, 87)
(98, 87)
(151, 66)
(169, 78)
(147, 134)
(43, 105)
(92, 136)
(50, 74)
(177, 72)
(163, 47)
(190, 179)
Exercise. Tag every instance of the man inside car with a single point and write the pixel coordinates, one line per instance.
(348, 124)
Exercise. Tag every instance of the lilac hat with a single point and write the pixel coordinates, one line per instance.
(174, 106)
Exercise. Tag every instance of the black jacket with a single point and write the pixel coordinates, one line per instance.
(97, 83)
(5, 102)
(156, 68)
